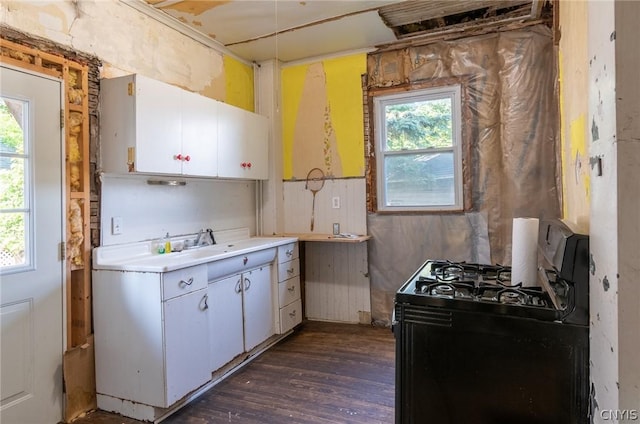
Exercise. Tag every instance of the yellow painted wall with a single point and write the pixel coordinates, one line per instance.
(574, 107)
(238, 83)
(322, 117)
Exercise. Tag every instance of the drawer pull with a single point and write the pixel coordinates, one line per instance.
(289, 253)
(292, 314)
(204, 303)
(183, 283)
(245, 260)
(292, 288)
(290, 271)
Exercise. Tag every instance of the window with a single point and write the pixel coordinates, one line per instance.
(418, 150)
(15, 213)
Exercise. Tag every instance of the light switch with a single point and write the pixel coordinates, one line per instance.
(116, 225)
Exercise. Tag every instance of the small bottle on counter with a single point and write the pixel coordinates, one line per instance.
(158, 246)
(167, 244)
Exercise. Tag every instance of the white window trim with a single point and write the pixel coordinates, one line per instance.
(379, 103)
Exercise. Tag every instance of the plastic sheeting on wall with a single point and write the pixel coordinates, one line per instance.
(511, 132)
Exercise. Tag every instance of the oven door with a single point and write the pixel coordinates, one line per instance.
(457, 367)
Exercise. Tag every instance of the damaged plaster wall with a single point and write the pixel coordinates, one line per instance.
(614, 150)
(510, 129)
(603, 285)
(322, 117)
(126, 41)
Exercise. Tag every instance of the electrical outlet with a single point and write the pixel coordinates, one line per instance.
(335, 202)
(116, 225)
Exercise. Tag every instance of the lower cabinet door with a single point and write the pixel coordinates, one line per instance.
(225, 321)
(258, 307)
(186, 344)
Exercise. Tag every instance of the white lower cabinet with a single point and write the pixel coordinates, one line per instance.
(160, 335)
(186, 343)
(240, 314)
(258, 307)
(151, 335)
(225, 321)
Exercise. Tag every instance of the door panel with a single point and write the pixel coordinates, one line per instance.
(31, 294)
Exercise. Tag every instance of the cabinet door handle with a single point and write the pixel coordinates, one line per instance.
(243, 165)
(238, 286)
(178, 157)
(290, 271)
(249, 165)
(292, 289)
(203, 303)
(247, 284)
(187, 158)
(292, 314)
(186, 283)
(289, 253)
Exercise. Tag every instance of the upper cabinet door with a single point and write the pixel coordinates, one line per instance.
(231, 135)
(199, 135)
(257, 146)
(158, 121)
(243, 139)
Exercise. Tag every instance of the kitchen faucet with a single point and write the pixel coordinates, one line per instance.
(199, 239)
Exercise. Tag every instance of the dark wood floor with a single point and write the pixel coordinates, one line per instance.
(323, 373)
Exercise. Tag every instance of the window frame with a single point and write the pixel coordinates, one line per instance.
(452, 92)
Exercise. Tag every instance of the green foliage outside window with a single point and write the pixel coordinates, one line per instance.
(416, 126)
(12, 224)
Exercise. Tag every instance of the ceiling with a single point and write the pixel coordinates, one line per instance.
(289, 30)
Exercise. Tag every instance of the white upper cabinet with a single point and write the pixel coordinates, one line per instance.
(152, 127)
(199, 135)
(243, 144)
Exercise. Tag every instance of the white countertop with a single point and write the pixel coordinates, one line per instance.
(140, 257)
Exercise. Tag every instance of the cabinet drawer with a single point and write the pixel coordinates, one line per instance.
(290, 316)
(183, 281)
(288, 291)
(287, 252)
(240, 263)
(288, 270)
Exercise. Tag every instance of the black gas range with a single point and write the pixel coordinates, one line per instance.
(471, 347)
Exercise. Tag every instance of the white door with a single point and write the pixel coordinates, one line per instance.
(31, 270)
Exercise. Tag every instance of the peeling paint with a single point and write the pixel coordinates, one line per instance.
(593, 402)
(605, 283)
(592, 264)
(194, 7)
(595, 136)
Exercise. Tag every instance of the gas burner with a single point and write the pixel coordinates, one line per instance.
(443, 290)
(512, 297)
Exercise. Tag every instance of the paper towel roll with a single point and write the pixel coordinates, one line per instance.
(524, 251)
